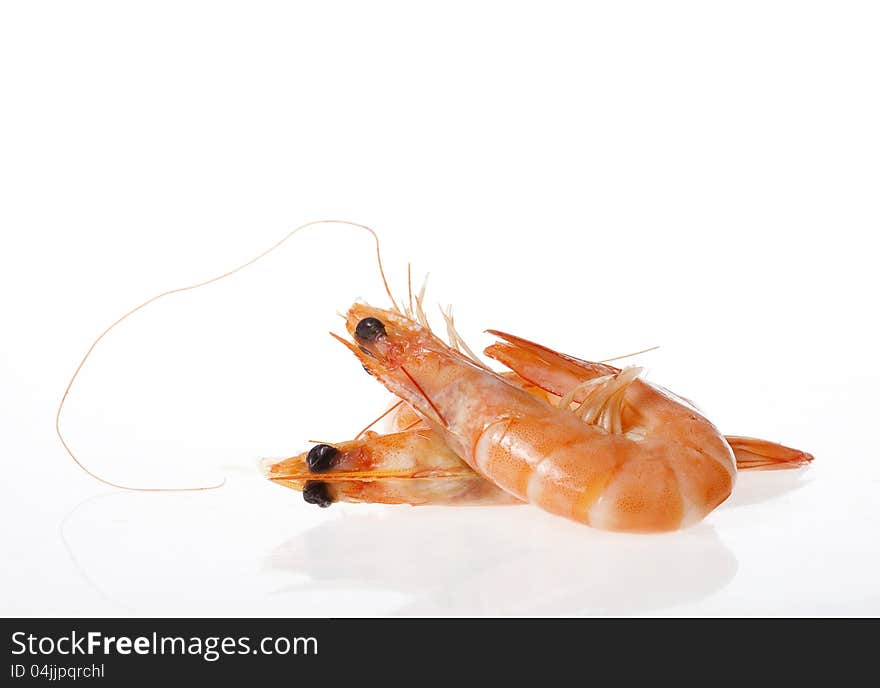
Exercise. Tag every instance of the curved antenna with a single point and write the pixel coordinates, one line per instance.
(178, 290)
(634, 353)
(384, 413)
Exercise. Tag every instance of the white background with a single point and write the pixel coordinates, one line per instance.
(601, 177)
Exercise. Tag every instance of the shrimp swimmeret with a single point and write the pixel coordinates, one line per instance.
(615, 452)
(412, 465)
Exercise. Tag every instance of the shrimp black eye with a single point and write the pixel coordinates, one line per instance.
(369, 330)
(316, 492)
(321, 458)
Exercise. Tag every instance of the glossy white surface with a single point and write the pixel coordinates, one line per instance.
(602, 180)
(253, 549)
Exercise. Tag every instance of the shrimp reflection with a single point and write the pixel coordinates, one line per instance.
(502, 561)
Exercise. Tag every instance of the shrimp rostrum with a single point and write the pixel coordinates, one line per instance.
(600, 446)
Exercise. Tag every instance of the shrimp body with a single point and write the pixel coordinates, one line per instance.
(632, 459)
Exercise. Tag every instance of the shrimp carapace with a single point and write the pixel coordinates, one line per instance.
(631, 458)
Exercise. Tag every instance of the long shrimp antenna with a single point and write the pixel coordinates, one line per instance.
(179, 290)
(424, 394)
(412, 425)
(378, 256)
(384, 413)
(634, 353)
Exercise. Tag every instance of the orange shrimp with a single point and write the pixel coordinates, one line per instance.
(631, 457)
(412, 465)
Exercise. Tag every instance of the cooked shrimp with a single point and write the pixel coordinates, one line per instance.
(414, 467)
(630, 458)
